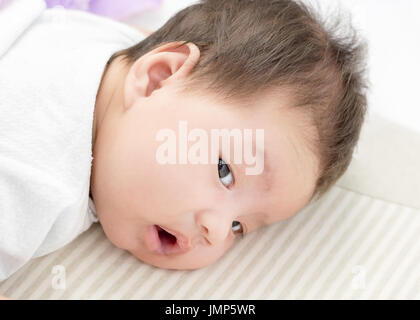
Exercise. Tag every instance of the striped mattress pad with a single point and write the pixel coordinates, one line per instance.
(344, 246)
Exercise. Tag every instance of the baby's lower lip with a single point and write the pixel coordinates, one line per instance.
(155, 245)
(152, 239)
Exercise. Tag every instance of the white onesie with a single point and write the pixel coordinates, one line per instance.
(51, 63)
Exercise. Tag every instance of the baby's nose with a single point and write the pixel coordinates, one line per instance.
(214, 229)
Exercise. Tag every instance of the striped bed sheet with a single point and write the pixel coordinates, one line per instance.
(345, 246)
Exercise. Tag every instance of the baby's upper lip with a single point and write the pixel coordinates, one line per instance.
(183, 241)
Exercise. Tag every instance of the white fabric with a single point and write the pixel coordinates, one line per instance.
(51, 63)
(386, 164)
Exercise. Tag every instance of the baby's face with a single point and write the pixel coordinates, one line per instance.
(134, 192)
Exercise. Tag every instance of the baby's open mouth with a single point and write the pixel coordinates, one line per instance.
(166, 238)
(165, 241)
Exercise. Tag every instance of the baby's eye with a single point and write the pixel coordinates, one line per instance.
(224, 173)
(237, 227)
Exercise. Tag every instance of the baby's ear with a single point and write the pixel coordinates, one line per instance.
(167, 63)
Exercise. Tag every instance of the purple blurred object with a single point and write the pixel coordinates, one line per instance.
(115, 9)
(2, 2)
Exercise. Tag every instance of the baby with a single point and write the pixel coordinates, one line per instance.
(268, 67)
(222, 64)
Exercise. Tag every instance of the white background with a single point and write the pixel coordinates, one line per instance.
(392, 29)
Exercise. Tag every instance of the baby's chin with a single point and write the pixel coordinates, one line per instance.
(187, 261)
(198, 257)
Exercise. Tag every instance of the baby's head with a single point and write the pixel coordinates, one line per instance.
(262, 65)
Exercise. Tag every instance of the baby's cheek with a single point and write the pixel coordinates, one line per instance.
(121, 232)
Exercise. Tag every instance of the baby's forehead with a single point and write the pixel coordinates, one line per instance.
(286, 127)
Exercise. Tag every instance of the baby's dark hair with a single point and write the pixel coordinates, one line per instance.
(249, 46)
